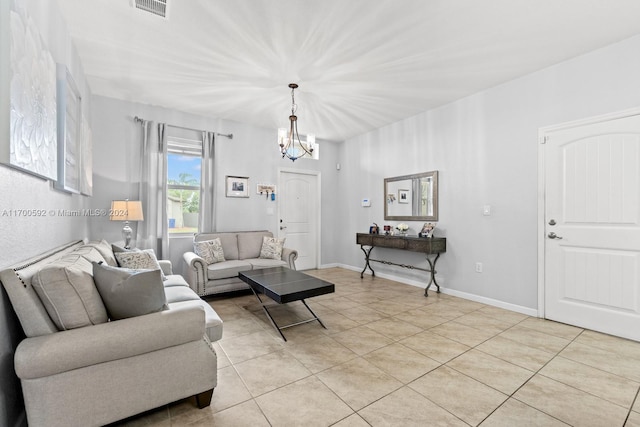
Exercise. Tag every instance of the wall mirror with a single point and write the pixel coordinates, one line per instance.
(411, 197)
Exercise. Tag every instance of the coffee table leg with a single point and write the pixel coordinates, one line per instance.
(273, 322)
(314, 315)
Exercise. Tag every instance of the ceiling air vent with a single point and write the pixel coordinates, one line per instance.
(157, 7)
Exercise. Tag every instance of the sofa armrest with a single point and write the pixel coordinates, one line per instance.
(166, 266)
(290, 256)
(195, 272)
(76, 348)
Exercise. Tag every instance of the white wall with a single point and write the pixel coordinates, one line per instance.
(485, 147)
(24, 236)
(253, 152)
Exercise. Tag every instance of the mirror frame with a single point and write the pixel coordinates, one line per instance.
(434, 217)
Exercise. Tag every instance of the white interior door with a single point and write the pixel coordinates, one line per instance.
(299, 215)
(592, 226)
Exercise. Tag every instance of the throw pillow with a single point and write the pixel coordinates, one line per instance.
(209, 250)
(129, 293)
(69, 294)
(271, 248)
(105, 249)
(139, 260)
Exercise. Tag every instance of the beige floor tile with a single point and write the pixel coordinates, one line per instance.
(321, 353)
(401, 362)
(464, 397)
(569, 404)
(514, 413)
(390, 308)
(394, 328)
(435, 346)
(622, 346)
(363, 314)
(636, 405)
(418, 318)
(613, 388)
(230, 312)
(358, 382)
(535, 339)
(633, 420)
(610, 361)
(338, 304)
(246, 414)
(336, 323)
(444, 309)
(502, 314)
(405, 407)
(230, 390)
(240, 326)
(354, 420)
(248, 346)
(480, 320)
(363, 297)
(463, 334)
(503, 376)
(307, 402)
(550, 327)
(268, 372)
(521, 355)
(362, 340)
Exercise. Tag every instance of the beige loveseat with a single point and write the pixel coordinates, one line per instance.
(242, 250)
(107, 370)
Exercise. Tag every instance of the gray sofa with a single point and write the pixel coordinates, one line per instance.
(103, 372)
(241, 253)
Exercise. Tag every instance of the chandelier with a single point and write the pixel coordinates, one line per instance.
(290, 144)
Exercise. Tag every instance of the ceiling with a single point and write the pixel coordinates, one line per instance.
(360, 64)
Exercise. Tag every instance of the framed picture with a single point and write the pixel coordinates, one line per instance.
(237, 186)
(403, 196)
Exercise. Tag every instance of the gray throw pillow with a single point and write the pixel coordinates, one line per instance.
(69, 294)
(210, 250)
(129, 293)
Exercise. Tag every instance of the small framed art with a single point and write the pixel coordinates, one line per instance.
(403, 196)
(237, 186)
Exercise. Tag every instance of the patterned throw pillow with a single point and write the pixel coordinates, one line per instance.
(271, 248)
(209, 250)
(139, 260)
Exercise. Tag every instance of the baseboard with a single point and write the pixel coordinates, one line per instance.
(472, 297)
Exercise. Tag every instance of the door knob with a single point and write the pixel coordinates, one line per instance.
(553, 235)
(282, 227)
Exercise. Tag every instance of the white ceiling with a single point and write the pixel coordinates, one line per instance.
(360, 64)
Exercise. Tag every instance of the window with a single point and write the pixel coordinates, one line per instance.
(184, 165)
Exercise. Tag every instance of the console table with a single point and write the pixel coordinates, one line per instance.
(431, 246)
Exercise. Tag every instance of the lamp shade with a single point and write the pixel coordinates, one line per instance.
(126, 210)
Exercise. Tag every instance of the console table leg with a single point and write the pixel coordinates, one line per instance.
(366, 259)
(432, 276)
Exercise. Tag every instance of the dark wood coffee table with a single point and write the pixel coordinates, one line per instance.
(284, 285)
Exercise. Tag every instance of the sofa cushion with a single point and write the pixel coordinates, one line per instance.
(129, 293)
(271, 248)
(209, 250)
(139, 260)
(250, 243)
(179, 293)
(105, 250)
(175, 280)
(213, 323)
(257, 263)
(227, 269)
(68, 293)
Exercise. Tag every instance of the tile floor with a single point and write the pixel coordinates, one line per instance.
(392, 357)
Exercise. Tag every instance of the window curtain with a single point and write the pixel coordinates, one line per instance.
(152, 232)
(208, 188)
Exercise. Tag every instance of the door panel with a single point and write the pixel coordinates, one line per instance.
(299, 216)
(592, 194)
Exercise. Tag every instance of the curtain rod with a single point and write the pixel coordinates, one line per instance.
(137, 119)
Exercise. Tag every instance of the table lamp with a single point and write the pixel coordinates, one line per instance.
(126, 210)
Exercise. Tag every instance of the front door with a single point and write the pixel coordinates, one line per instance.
(299, 215)
(592, 225)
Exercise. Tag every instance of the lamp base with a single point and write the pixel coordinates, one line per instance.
(127, 233)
